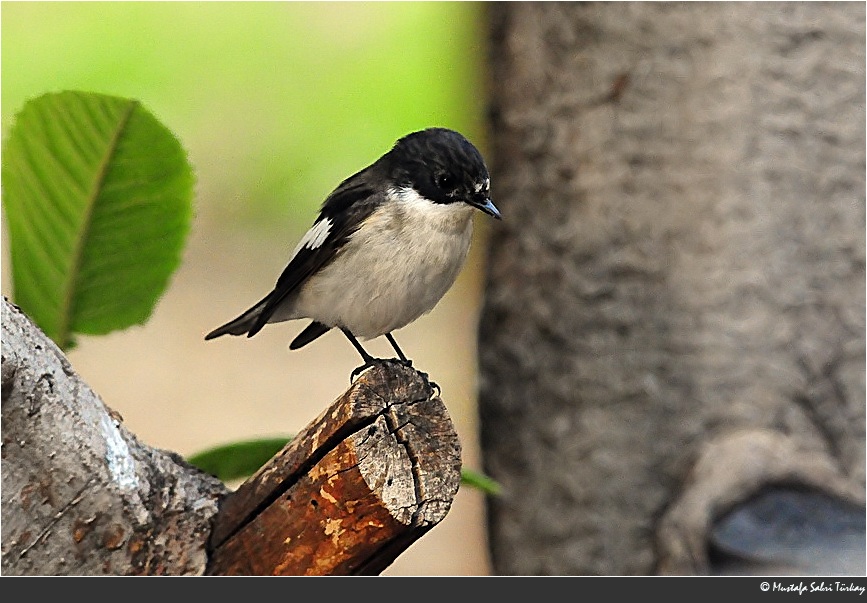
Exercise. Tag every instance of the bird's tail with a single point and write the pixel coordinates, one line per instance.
(313, 330)
(240, 325)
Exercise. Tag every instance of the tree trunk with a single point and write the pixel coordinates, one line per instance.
(674, 317)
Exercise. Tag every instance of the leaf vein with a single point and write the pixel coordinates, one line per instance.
(81, 242)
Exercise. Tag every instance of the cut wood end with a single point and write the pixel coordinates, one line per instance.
(355, 488)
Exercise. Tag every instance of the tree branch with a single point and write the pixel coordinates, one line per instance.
(81, 495)
(359, 485)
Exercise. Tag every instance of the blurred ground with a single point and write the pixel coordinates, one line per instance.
(178, 392)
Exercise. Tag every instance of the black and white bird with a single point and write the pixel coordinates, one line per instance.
(388, 243)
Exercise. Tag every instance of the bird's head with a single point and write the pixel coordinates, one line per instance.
(443, 167)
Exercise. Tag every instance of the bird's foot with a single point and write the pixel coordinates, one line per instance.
(402, 361)
(433, 385)
(360, 369)
(408, 363)
(370, 363)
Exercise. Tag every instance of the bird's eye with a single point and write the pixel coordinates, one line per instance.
(443, 181)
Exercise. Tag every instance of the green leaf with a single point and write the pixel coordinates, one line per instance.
(242, 459)
(486, 484)
(98, 199)
(238, 459)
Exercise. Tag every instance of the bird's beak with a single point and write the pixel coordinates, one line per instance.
(487, 206)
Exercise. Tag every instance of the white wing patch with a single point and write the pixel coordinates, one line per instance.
(316, 236)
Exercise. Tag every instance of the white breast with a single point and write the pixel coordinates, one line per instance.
(392, 271)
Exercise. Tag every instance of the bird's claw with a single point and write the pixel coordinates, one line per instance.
(360, 369)
(431, 384)
(402, 361)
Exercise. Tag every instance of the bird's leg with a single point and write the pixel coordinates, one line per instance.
(400, 354)
(368, 359)
(408, 362)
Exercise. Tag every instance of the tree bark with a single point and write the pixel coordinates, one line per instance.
(675, 296)
(82, 496)
(370, 476)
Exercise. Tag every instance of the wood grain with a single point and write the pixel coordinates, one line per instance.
(355, 488)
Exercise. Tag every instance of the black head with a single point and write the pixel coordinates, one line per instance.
(442, 166)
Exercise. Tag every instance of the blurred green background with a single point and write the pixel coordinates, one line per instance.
(275, 103)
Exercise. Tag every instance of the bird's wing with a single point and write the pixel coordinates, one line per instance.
(340, 216)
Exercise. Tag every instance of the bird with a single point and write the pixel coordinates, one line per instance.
(386, 246)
